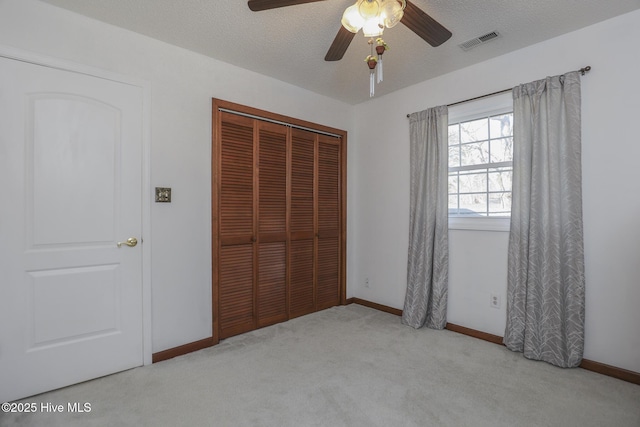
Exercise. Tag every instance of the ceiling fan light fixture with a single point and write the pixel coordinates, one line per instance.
(352, 20)
(372, 16)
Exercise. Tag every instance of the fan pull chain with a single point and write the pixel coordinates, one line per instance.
(372, 62)
(372, 85)
(381, 46)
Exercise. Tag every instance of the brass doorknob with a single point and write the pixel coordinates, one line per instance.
(131, 241)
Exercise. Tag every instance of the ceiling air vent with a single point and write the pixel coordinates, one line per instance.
(470, 44)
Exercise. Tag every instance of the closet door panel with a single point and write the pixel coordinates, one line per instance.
(328, 291)
(302, 183)
(236, 178)
(272, 223)
(272, 290)
(301, 297)
(328, 258)
(236, 227)
(328, 186)
(302, 224)
(272, 178)
(236, 290)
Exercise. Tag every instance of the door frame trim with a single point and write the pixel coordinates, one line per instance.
(65, 65)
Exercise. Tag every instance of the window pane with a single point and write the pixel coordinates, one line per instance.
(474, 154)
(501, 125)
(500, 181)
(453, 204)
(454, 134)
(454, 156)
(473, 182)
(502, 150)
(453, 183)
(477, 187)
(473, 204)
(475, 130)
(500, 204)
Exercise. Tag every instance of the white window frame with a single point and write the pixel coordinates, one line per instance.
(490, 106)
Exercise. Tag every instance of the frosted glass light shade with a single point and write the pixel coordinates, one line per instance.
(391, 13)
(351, 19)
(372, 28)
(369, 9)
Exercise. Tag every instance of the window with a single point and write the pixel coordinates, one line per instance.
(481, 164)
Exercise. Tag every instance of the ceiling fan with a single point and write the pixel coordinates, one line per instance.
(414, 18)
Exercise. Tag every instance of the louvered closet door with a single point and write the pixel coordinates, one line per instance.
(302, 223)
(277, 219)
(272, 224)
(328, 258)
(236, 222)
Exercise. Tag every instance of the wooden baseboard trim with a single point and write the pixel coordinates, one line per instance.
(377, 306)
(180, 350)
(474, 333)
(611, 371)
(589, 365)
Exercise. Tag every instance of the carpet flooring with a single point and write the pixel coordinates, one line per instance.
(346, 366)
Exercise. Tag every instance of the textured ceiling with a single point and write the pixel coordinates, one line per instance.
(289, 43)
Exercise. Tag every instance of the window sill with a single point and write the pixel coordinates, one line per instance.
(480, 224)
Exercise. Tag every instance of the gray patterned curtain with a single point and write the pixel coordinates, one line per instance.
(545, 298)
(428, 267)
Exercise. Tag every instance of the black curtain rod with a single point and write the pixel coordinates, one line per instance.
(582, 71)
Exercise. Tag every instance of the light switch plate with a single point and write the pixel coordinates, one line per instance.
(163, 195)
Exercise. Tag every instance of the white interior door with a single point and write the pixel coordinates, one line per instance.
(70, 189)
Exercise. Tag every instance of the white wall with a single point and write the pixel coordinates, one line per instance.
(611, 189)
(183, 84)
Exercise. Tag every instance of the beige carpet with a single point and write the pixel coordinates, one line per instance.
(346, 366)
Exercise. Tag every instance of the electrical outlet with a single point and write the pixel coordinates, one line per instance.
(366, 282)
(495, 301)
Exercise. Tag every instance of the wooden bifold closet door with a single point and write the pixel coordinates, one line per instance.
(278, 219)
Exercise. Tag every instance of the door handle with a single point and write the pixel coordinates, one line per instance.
(131, 241)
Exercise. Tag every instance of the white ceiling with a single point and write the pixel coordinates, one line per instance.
(289, 43)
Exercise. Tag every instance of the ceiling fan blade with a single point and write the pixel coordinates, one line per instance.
(258, 5)
(339, 45)
(424, 25)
